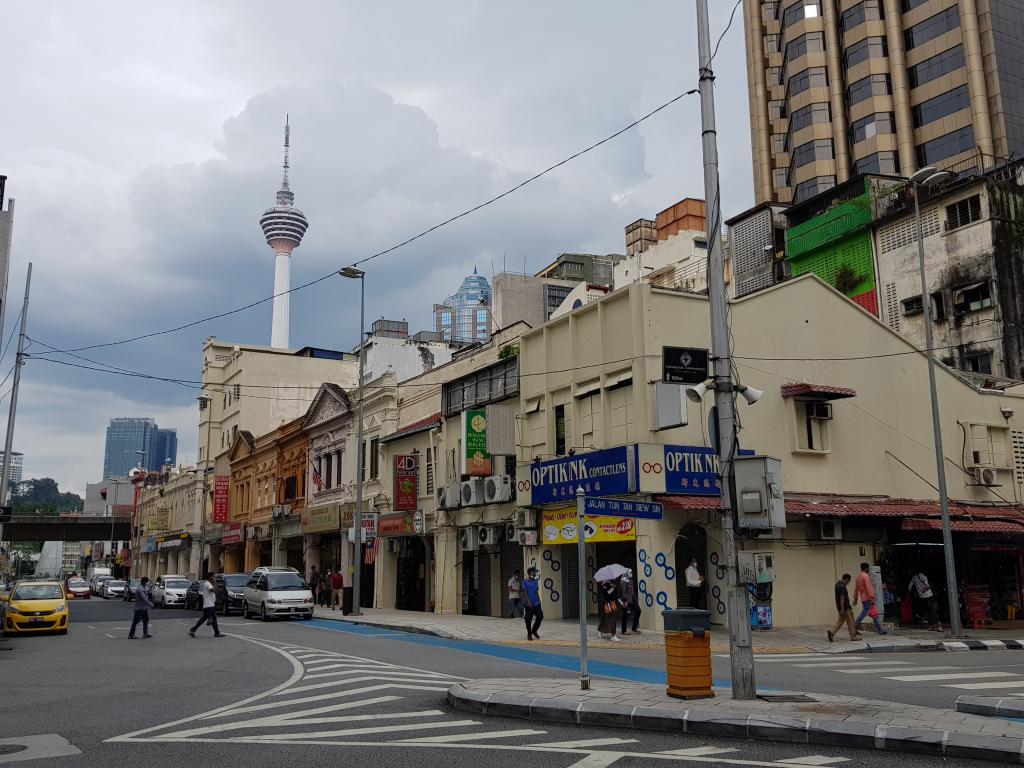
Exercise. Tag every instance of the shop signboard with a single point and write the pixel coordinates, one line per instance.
(405, 477)
(400, 524)
(476, 459)
(232, 534)
(687, 470)
(684, 365)
(609, 472)
(320, 519)
(559, 527)
(149, 545)
(158, 521)
(175, 541)
(221, 483)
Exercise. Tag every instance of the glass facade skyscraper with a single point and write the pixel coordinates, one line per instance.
(127, 436)
(466, 315)
(166, 449)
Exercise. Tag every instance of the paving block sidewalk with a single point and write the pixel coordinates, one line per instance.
(566, 633)
(817, 719)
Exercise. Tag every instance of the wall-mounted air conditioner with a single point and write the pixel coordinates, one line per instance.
(473, 492)
(986, 476)
(498, 489)
(528, 538)
(526, 518)
(831, 530)
(468, 539)
(487, 535)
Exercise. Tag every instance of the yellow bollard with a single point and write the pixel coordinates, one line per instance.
(688, 662)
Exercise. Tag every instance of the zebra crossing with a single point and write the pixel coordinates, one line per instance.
(956, 678)
(335, 699)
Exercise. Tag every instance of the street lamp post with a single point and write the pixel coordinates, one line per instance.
(927, 177)
(205, 404)
(358, 274)
(113, 561)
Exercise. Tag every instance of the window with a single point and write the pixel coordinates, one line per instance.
(813, 419)
(778, 143)
(866, 87)
(818, 149)
(812, 77)
(861, 12)
(942, 105)
(446, 318)
(374, 458)
(555, 296)
(972, 298)
(812, 187)
(773, 75)
(771, 44)
(780, 178)
(807, 43)
(327, 472)
(936, 150)
(496, 382)
(872, 125)
(938, 307)
(964, 212)
(777, 109)
(978, 362)
(337, 468)
(868, 48)
(805, 9)
(936, 66)
(363, 478)
(291, 487)
(560, 430)
(812, 113)
(878, 162)
(912, 306)
(932, 27)
(429, 481)
(909, 5)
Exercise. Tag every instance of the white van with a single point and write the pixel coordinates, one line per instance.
(277, 591)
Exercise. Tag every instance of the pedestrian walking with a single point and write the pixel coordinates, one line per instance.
(630, 604)
(864, 590)
(325, 587)
(209, 611)
(337, 591)
(314, 583)
(695, 584)
(608, 603)
(515, 595)
(844, 610)
(143, 603)
(534, 613)
(919, 586)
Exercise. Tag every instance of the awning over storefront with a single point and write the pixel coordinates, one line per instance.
(820, 391)
(416, 427)
(965, 526)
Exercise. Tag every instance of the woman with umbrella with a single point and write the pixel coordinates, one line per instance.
(608, 601)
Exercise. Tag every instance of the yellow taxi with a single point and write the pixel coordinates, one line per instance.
(34, 606)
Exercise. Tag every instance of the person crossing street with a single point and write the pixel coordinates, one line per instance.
(209, 611)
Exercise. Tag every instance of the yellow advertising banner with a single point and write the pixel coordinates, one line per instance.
(559, 527)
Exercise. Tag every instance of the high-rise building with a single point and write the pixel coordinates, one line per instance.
(466, 315)
(283, 226)
(166, 450)
(126, 437)
(839, 87)
(14, 471)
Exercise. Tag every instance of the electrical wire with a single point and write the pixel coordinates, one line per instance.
(724, 31)
(14, 330)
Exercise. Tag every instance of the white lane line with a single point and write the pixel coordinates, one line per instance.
(872, 671)
(90, 626)
(585, 743)
(275, 722)
(456, 737)
(815, 760)
(110, 636)
(986, 686)
(597, 760)
(320, 710)
(333, 664)
(394, 678)
(698, 751)
(825, 659)
(953, 676)
(845, 664)
(360, 731)
(341, 673)
(334, 695)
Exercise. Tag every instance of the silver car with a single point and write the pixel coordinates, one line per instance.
(170, 591)
(114, 588)
(277, 591)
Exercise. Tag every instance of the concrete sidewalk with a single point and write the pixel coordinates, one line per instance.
(804, 718)
(561, 633)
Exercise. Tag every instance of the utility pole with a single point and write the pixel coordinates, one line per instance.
(357, 519)
(741, 656)
(5, 492)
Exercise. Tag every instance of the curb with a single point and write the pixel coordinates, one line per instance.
(982, 645)
(767, 728)
(411, 629)
(990, 706)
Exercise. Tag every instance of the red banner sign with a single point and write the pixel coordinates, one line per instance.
(221, 483)
(406, 471)
(395, 525)
(233, 535)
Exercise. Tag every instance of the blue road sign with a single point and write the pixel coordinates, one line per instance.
(648, 510)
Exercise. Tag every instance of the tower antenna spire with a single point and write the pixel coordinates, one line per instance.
(287, 144)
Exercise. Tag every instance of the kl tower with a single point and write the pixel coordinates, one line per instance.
(283, 226)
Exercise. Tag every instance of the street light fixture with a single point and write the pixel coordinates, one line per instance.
(205, 403)
(357, 519)
(927, 177)
(113, 503)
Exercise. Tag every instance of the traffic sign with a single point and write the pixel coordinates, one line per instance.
(647, 510)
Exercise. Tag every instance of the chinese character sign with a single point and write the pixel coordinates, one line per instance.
(221, 483)
(405, 473)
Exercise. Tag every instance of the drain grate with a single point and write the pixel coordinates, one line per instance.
(784, 697)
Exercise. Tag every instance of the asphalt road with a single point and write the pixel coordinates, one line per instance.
(310, 693)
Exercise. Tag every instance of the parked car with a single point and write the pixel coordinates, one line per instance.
(96, 585)
(169, 590)
(276, 591)
(228, 590)
(34, 606)
(113, 588)
(129, 593)
(77, 589)
(193, 597)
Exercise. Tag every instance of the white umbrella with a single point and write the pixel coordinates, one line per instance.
(610, 572)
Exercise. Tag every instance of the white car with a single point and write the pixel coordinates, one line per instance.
(113, 588)
(275, 591)
(170, 590)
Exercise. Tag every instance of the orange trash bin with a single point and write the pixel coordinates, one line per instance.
(688, 653)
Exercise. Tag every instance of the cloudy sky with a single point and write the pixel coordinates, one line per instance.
(142, 142)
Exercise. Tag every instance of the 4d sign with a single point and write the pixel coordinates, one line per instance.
(405, 477)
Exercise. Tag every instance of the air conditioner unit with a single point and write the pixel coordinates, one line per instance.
(473, 492)
(511, 534)
(985, 476)
(448, 496)
(822, 411)
(468, 539)
(528, 538)
(526, 518)
(487, 535)
(831, 530)
(498, 489)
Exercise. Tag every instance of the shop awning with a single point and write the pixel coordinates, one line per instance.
(821, 391)
(415, 428)
(965, 526)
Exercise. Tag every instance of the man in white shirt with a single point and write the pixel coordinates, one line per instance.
(695, 584)
(209, 612)
(515, 595)
(919, 586)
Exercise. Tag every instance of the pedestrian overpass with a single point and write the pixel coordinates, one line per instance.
(68, 528)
